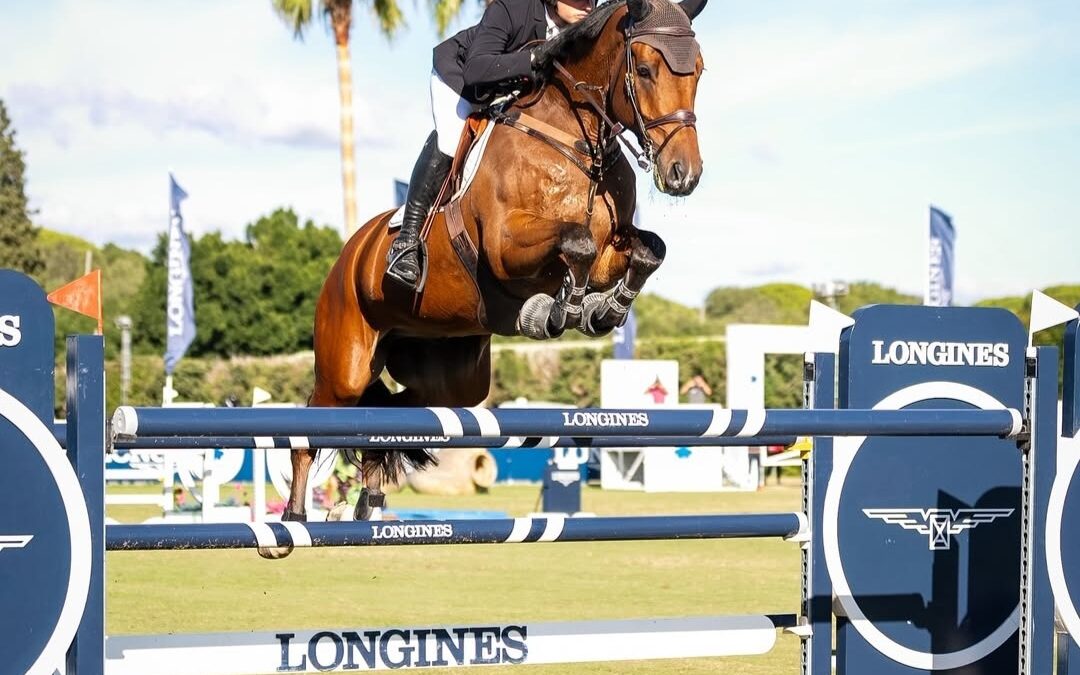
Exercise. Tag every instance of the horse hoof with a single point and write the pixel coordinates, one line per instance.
(591, 308)
(532, 320)
(279, 552)
(339, 512)
(275, 552)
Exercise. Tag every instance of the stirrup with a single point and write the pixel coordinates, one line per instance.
(397, 253)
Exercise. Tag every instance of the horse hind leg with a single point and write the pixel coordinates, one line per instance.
(544, 317)
(602, 312)
(448, 372)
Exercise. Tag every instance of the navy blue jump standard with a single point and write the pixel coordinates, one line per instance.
(412, 532)
(129, 423)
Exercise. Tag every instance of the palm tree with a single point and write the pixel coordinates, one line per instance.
(298, 15)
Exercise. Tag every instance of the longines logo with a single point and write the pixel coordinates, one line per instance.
(14, 540)
(910, 353)
(605, 419)
(409, 439)
(424, 531)
(939, 525)
(405, 648)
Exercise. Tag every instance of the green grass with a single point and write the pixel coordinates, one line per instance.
(212, 591)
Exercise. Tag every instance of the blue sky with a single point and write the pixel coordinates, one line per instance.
(827, 128)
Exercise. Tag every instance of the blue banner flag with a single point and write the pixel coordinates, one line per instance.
(401, 191)
(623, 337)
(180, 311)
(939, 280)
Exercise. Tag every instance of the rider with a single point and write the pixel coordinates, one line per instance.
(468, 69)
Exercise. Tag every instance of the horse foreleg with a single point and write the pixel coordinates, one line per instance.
(296, 508)
(543, 317)
(602, 312)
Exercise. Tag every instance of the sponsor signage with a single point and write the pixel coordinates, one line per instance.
(413, 531)
(939, 525)
(44, 548)
(27, 329)
(909, 510)
(923, 353)
(408, 439)
(394, 648)
(605, 419)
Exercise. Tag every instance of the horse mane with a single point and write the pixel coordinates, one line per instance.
(583, 32)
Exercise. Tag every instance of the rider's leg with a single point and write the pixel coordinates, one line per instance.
(403, 258)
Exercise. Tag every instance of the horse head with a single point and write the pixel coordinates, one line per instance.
(662, 66)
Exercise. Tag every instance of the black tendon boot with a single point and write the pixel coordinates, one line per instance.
(403, 260)
(369, 505)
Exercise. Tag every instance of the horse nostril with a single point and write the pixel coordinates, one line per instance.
(676, 173)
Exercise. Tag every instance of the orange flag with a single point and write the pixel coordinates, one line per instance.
(82, 295)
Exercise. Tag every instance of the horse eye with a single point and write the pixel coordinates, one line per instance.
(644, 71)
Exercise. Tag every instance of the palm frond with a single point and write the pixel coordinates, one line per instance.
(389, 16)
(444, 12)
(295, 13)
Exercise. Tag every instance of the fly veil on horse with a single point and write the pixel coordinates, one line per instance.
(539, 243)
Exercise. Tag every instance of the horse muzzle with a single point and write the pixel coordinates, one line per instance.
(679, 178)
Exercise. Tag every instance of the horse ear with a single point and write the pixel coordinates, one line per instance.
(692, 7)
(639, 9)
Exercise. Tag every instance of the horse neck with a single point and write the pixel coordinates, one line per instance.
(593, 67)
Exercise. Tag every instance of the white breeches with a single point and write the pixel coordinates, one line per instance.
(449, 111)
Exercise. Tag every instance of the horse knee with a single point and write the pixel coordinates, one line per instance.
(578, 247)
(648, 252)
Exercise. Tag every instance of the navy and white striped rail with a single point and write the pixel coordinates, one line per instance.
(408, 442)
(412, 532)
(131, 422)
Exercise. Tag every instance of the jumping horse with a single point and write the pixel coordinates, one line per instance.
(541, 242)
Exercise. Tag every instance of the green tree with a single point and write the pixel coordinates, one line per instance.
(863, 293)
(255, 296)
(660, 316)
(18, 236)
(770, 303)
(338, 14)
(122, 273)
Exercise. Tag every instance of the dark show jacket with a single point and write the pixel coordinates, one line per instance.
(477, 58)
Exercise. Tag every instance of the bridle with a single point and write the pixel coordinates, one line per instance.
(610, 132)
(683, 117)
(594, 156)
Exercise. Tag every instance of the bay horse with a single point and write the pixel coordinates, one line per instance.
(548, 217)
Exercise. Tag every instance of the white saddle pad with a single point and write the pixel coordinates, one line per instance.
(472, 163)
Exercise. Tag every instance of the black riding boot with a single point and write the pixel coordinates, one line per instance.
(403, 260)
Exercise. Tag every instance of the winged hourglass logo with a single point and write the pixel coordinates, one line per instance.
(939, 525)
(14, 540)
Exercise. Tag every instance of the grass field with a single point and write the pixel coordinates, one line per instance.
(211, 591)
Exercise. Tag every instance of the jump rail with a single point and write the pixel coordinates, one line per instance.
(130, 423)
(419, 532)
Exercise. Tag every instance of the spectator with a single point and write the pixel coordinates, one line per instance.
(696, 390)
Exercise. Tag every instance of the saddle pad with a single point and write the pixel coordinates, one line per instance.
(472, 163)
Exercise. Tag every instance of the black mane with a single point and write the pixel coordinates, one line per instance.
(583, 32)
